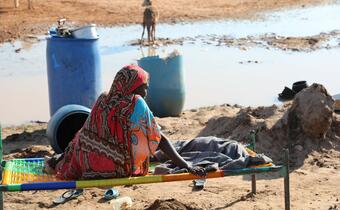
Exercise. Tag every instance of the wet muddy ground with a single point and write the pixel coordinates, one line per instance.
(269, 41)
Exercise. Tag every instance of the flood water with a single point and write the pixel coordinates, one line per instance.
(213, 74)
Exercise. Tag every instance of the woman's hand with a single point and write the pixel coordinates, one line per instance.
(173, 155)
(198, 171)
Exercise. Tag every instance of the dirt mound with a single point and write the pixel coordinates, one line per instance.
(170, 204)
(261, 119)
(305, 125)
(18, 139)
(311, 113)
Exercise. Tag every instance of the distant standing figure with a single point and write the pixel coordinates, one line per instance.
(30, 4)
(149, 20)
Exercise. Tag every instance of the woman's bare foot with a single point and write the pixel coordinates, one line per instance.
(51, 162)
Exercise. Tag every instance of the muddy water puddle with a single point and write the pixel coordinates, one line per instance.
(215, 72)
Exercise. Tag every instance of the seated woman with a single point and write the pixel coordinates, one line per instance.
(119, 135)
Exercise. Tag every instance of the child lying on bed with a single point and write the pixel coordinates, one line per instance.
(211, 153)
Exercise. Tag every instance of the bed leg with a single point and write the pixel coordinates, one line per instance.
(286, 180)
(1, 152)
(253, 177)
(1, 193)
(1, 201)
(253, 184)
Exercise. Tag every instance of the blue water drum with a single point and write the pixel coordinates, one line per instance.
(64, 124)
(74, 72)
(166, 92)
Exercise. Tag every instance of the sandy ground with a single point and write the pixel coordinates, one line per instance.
(314, 181)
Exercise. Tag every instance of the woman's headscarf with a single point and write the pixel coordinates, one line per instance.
(107, 131)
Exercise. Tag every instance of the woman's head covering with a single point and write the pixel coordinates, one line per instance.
(127, 80)
(107, 131)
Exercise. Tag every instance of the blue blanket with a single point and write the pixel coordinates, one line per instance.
(211, 153)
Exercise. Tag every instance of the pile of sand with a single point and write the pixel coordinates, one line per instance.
(170, 204)
(303, 125)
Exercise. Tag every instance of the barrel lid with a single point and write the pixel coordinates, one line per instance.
(83, 27)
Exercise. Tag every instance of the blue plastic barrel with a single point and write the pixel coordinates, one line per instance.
(74, 73)
(166, 92)
(64, 124)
